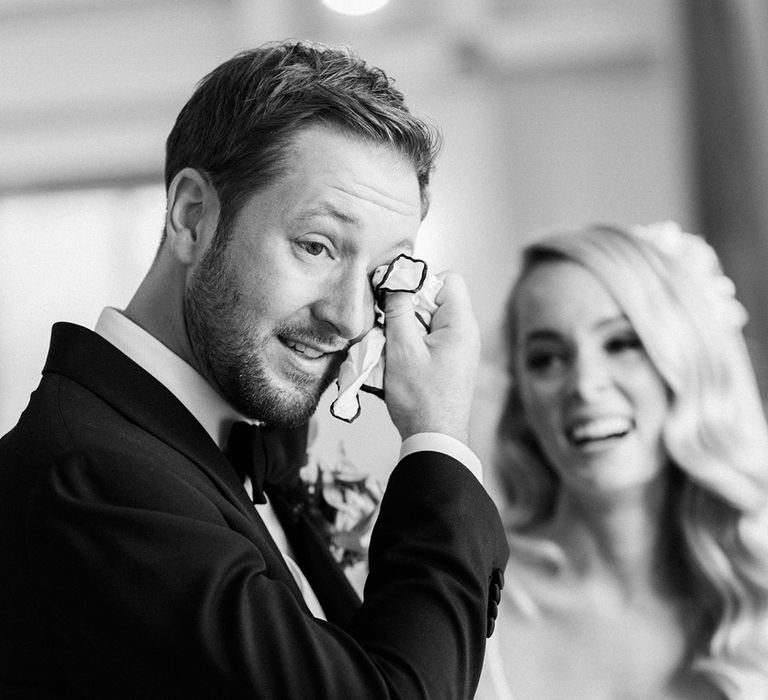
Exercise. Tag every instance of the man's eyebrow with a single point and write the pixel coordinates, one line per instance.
(332, 211)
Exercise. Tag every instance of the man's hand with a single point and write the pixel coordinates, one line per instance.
(429, 378)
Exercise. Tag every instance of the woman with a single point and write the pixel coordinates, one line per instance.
(633, 453)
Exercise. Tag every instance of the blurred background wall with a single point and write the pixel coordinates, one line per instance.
(554, 113)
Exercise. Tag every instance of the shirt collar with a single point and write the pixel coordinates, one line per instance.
(212, 411)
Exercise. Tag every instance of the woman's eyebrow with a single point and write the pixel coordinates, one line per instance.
(541, 334)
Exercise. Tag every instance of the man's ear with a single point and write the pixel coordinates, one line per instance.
(192, 215)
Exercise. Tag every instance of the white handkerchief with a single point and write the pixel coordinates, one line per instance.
(363, 368)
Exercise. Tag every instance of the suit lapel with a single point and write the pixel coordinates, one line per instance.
(88, 359)
(329, 582)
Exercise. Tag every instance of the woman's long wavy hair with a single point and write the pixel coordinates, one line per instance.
(715, 437)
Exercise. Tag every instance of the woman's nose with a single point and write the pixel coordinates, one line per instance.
(589, 376)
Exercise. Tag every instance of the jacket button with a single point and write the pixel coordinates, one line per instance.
(494, 598)
(498, 577)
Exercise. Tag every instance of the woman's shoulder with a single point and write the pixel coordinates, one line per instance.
(533, 578)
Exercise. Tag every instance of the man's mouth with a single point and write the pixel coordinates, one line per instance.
(598, 430)
(306, 350)
(312, 350)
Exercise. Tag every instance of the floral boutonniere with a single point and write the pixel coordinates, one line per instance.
(344, 502)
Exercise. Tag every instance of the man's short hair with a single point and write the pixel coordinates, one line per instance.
(242, 116)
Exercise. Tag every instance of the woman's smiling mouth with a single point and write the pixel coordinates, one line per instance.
(598, 429)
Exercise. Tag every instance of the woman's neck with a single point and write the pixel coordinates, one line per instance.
(618, 535)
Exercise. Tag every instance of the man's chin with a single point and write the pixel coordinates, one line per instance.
(285, 406)
(287, 416)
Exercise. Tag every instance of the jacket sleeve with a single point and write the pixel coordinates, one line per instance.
(150, 588)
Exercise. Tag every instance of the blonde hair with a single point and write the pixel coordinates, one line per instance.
(670, 286)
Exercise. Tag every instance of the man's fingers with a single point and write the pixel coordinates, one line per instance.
(402, 328)
(453, 302)
(430, 376)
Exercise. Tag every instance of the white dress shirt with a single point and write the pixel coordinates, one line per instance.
(217, 416)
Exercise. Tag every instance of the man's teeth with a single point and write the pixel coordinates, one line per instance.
(306, 350)
(599, 429)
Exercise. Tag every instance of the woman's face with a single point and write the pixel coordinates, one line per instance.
(590, 394)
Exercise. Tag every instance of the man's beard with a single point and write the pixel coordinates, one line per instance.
(232, 358)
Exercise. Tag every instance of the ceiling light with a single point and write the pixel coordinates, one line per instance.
(355, 7)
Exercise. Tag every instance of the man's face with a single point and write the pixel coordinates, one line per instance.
(271, 315)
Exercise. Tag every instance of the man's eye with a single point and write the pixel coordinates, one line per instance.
(314, 248)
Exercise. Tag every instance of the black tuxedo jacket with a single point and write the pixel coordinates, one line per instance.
(133, 565)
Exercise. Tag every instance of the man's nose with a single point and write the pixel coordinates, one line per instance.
(347, 304)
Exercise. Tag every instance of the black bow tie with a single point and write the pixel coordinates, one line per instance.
(270, 456)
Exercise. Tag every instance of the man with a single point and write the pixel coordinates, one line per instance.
(134, 562)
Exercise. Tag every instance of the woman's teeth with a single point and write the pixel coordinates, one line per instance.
(599, 429)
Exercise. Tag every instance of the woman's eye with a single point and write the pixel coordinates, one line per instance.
(543, 362)
(314, 248)
(623, 343)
